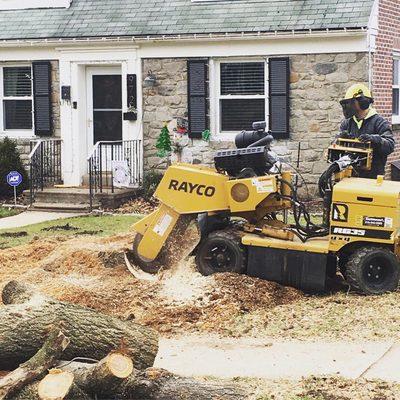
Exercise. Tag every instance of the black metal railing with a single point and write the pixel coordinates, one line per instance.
(112, 165)
(44, 165)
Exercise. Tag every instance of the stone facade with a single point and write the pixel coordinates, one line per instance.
(23, 144)
(318, 82)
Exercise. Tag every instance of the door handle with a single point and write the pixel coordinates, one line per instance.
(89, 122)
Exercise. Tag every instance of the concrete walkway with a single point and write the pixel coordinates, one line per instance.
(229, 358)
(32, 217)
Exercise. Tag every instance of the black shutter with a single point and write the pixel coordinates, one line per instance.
(197, 97)
(279, 107)
(42, 98)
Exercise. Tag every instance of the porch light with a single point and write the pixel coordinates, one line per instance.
(150, 80)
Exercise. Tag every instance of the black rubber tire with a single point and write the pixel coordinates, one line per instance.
(373, 271)
(151, 267)
(235, 253)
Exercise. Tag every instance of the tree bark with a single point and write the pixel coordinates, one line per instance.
(158, 384)
(28, 314)
(107, 375)
(44, 359)
(151, 384)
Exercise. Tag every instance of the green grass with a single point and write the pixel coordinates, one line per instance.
(8, 212)
(85, 225)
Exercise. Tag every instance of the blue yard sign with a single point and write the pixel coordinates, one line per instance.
(14, 179)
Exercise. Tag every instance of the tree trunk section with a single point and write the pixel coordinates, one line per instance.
(60, 385)
(27, 315)
(152, 384)
(104, 377)
(44, 359)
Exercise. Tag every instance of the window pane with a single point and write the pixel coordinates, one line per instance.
(107, 92)
(242, 78)
(396, 65)
(396, 105)
(17, 114)
(239, 114)
(17, 81)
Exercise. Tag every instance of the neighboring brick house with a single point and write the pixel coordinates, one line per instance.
(222, 64)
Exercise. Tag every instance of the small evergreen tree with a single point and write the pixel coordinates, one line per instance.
(164, 144)
(10, 160)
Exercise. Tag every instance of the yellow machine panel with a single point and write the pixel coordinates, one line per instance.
(316, 245)
(192, 189)
(364, 210)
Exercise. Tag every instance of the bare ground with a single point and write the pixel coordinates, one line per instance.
(92, 272)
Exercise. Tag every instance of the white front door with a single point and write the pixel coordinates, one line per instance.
(104, 105)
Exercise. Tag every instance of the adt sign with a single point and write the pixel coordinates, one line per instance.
(14, 178)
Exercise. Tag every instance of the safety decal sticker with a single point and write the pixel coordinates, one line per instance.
(262, 185)
(381, 222)
(162, 225)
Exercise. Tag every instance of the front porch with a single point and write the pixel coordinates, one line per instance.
(114, 175)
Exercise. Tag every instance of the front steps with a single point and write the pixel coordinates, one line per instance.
(78, 199)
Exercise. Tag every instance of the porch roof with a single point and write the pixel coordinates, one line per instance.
(110, 18)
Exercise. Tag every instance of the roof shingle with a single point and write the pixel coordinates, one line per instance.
(97, 18)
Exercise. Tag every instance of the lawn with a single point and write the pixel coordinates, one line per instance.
(85, 225)
(7, 212)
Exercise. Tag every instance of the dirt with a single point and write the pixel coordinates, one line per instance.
(324, 388)
(93, 273)
(138, 206)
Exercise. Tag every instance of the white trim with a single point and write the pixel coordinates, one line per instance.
(28, 4)
(215, 95)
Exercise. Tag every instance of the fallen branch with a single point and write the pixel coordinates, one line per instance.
(92, 334)
(28, 372)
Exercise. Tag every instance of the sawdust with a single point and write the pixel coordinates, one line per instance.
(323, 388)
(92, 272)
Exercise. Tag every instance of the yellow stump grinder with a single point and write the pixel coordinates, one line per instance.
(240, 206)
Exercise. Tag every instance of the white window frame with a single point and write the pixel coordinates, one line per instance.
(396, 118)
(215, 91)
(14, 133)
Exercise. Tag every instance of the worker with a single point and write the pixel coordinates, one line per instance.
(364, 123)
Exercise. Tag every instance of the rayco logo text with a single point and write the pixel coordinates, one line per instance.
(193, 188)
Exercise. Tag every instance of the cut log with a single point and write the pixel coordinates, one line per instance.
(158, 384)
(108, 374)
(44, 359)
(152, 384)
(24, 320)
(60, 385)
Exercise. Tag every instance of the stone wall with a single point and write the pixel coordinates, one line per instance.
(318, 82)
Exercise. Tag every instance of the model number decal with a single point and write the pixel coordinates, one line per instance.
(366, 233)
(349, 231)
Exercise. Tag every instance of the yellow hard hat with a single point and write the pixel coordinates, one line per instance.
(357, 90)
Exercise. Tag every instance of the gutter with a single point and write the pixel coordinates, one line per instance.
(321, 33)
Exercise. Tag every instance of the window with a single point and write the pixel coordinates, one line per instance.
(396, 90)
(242, 95)
(16, 98)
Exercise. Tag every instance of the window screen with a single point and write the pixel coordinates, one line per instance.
(17, 82)
(242, 78)
(396, 87)
(17, 98)
(242, 95)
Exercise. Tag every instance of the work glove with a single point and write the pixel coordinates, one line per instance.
(374, 139)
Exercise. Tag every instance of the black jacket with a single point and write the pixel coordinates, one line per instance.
(375, 125)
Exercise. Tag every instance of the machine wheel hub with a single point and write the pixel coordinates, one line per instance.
(376, 271)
